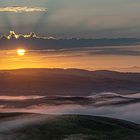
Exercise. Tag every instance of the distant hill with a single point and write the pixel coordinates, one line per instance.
(128, 69)
(75, 82)
(65, 127)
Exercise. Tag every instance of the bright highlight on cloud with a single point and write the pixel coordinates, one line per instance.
(22, 9)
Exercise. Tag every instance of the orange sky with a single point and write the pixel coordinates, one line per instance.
(9, 59)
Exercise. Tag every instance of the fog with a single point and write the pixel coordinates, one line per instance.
(104, 104)
(127, 112)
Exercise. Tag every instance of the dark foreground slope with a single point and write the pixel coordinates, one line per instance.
(70, 127)
(69, 82)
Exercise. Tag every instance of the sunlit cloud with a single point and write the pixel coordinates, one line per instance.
(14, 35)
(22, 9)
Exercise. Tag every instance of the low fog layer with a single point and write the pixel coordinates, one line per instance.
(103, 104)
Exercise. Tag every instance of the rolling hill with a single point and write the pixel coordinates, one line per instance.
(68, 82)
(20, 126)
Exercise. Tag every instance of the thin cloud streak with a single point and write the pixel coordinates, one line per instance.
(22, 9)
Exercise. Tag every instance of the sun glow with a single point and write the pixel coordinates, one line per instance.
(21, 52)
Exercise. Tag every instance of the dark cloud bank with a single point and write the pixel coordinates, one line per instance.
(97, 46)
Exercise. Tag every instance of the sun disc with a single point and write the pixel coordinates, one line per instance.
(21, 52)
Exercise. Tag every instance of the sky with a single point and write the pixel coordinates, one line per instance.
(64, 19)
(72, 18)
(87, 58)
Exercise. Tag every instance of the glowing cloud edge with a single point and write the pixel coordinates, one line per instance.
(22, 9)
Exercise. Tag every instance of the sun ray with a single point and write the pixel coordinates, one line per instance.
(6, 19)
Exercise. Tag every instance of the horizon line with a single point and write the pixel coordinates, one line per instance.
(109, 70)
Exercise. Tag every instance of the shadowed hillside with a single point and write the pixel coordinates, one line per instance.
(66, 127)
(69, 82)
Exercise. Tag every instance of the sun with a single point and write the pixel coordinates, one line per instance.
(21, 52)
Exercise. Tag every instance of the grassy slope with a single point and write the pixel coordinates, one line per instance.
(76, 127)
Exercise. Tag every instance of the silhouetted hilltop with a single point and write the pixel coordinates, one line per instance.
(75, 82)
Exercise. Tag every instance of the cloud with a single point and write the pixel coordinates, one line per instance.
(72, 47)
(16, 36)
(21, 9)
